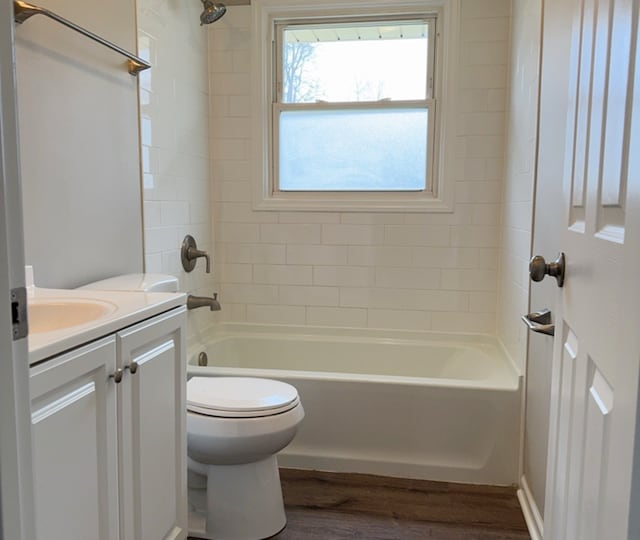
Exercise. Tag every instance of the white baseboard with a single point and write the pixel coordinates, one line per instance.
(530, 510)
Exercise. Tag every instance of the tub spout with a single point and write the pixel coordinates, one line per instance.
(194, 302)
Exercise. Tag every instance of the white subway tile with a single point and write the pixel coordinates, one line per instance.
(488, 258)
(478, 192)
(290, 234)
(475, 279)
(408, 278)
(241, 212)
(317, 254)
(409, 299)
(399, 319)
(254, 253)
(449, 257)
(237, 232)
(463, 322)
(232, 191)
(380, 255)
(275, 314)
(485, 8)
(485, 29)
(248, 294)
(309, 296)
(417, 235)
(234, 273)
(335, 316)
(344, 276)
(363, 218)
(473, 100)
(475, 236)
(487, 146)
(174, 212)
(483, 302)
(283, 274)
(355, 235)
(308, 217)
(487, 77)
(485, 53)
(230, 149)
(152, 217)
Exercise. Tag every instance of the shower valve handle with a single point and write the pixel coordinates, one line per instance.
(190, 253)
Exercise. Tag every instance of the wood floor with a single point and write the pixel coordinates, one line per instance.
(331, 506)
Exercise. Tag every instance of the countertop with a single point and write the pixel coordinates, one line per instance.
(121, 309)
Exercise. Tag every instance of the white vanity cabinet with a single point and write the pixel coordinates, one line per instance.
(109, 457)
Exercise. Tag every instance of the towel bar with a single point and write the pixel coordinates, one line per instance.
(24, 10)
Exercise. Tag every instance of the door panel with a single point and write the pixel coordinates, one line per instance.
(596, 358)
(73, 417)
(153, 429)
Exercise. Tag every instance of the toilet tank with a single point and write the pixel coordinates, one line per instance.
(136, 282)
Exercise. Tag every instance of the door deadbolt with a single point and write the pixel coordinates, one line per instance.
(538, 268)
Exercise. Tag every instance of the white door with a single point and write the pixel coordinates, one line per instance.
(153, 437)
(16, 482)
(596, 357)
(75, 448)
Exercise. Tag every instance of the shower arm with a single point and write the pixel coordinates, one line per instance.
(24, 11)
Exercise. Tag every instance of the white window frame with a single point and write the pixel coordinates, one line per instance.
(438, 197)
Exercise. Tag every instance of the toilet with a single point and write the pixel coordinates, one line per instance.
(235, 428)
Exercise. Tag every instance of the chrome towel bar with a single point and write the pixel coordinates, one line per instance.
(24, 10)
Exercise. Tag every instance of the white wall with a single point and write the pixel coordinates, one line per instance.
(174, 97)
(409, 271)
(513, 293)
(78, 123)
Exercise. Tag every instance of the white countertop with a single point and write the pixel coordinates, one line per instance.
(122, 309)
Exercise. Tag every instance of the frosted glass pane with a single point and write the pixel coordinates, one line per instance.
(353, 150)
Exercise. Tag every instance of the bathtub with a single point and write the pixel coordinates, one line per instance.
(407, 404)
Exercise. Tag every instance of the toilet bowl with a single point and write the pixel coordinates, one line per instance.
(235, 426)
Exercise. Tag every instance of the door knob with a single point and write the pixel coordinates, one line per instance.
(538, 268)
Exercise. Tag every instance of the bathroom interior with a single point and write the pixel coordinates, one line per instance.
(400, 327)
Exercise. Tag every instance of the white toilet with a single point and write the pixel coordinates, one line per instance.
(235, 427)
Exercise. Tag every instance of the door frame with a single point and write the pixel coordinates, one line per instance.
(16, 480)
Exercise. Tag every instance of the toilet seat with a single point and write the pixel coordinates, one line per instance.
(239, 397)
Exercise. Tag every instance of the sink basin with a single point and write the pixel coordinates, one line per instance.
(55, 314)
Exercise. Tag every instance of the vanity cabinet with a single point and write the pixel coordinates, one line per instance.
(109, 436)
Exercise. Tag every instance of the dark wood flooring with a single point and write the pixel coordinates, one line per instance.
(335, 506)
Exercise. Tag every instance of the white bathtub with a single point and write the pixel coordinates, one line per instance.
(409, 404)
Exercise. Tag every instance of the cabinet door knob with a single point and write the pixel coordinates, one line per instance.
(117, 375)
(132, 367)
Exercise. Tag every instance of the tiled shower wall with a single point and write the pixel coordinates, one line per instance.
(174, 108)
(400, 270)
(513, 297)
(385, 270)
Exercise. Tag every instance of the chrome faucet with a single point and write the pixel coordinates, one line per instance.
(194, 302)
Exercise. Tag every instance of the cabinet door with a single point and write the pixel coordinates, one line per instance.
(152, 420)
(73, 422)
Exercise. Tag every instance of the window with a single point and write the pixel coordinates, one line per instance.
(354, 108)
(353, 103)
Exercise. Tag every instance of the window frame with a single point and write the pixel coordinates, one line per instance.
(428, 103)
(271, 16)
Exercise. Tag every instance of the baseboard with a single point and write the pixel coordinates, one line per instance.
(530, 510)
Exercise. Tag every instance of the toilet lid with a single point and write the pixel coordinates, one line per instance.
(239, 397)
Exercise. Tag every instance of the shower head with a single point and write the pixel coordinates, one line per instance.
(212, 12)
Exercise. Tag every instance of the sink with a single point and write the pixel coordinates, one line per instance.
(55, 314)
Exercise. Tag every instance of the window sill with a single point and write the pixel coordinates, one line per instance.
(349, 202)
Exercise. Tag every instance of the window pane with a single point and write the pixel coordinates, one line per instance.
(371, 150)
(345, 63)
